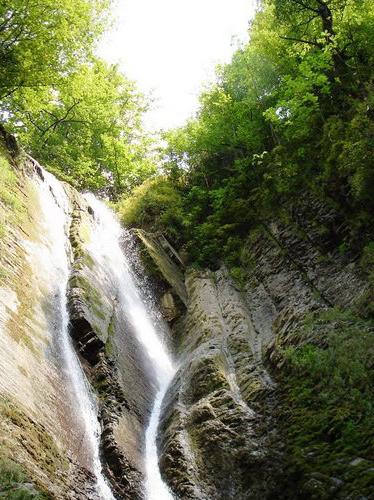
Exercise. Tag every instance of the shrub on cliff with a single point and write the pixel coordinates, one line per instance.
(156, 205)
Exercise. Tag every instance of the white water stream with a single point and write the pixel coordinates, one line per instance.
(54, 258)
(105, 245)
(56, 218)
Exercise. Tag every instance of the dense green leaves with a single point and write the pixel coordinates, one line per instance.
(292, 113)
(89, 127)
(42, 40)
(77, 115)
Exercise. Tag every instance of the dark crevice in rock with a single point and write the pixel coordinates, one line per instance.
(83, 303)
(86, 341)
(124, 478)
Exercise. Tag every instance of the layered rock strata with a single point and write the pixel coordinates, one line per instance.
(219, 435)
(115, 361)
(39, 429)
(35, 415)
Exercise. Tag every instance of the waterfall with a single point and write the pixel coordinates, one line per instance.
(56, 262)
(105, 244)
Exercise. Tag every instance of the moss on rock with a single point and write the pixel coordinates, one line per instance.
(325, 368)
(15, 484)
(38, 455)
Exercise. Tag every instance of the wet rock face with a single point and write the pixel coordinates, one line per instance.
(39, 427)
(216, 429)
(164, 264)
(169, 307)
(295, 274)
(114, 361)
(35, 413)
(220, 436)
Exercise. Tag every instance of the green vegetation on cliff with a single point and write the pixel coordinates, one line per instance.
(11, 208)
(327, 414)
(15, 485)
(288, 129)
(156, 205)
(290, 117)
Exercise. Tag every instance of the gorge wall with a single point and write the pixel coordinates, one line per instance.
(232, 423)
(40, 421)
(227, 429)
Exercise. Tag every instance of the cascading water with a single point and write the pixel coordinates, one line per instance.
(105, 245)
(55, 209)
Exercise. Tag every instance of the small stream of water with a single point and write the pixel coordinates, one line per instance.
(105, 245)
(55, 212)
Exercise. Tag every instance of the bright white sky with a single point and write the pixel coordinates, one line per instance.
(171, 47)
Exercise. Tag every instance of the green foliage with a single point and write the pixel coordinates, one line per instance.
(155, 205)
(349, 165)
(7, 181)
(328, 398)
(76, 114)
(291, 114)
(14, 484)
(90, 130)
(11, 208)
(365, 303)
(43, 40)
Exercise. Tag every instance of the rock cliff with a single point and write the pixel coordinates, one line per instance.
(39, 428)
(249, 413)
(224, 427)
(35, 416)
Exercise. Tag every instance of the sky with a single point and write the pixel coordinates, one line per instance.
(171, 47)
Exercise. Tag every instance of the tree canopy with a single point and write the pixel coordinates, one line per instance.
(75, 113)
(290, 116)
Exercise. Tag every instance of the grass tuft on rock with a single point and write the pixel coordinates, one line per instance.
(15, 485)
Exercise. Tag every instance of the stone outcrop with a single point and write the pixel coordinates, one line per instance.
(168, 267)
(35, 416)
(115, 362)
(39, 429)
(217, 433)
(220, 436)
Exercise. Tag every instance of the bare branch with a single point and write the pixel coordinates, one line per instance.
(309, 42)
(58, 121)
(305, 5)
(8, 94)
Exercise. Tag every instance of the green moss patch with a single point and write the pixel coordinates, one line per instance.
(8, 181)
(11, 206)
(27, 453)
(90, 295)
(18, 320)
(35, 439)
(327, 414)
(14, 483)
(207, 376)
